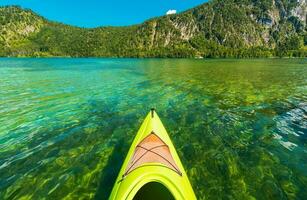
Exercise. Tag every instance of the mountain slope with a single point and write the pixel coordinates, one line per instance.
(220, 28)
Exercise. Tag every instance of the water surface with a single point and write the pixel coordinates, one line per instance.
(240, 126)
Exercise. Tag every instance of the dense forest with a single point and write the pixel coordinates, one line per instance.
(217, 29)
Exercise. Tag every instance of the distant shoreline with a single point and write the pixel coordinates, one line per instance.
(69, 57)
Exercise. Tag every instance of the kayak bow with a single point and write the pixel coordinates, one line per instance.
(152, 168)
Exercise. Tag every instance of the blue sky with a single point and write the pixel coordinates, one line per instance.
(93, 13)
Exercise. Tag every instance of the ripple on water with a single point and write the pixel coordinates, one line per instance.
(292, 123)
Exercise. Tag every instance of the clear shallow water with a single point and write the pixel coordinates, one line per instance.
(240, 126)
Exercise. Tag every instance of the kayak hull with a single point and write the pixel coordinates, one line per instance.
(172, 176)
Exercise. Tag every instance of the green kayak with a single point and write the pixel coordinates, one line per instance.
(152, 168)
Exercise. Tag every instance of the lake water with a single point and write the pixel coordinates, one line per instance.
(239, 126)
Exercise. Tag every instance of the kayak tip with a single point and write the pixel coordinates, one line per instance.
(152, 110)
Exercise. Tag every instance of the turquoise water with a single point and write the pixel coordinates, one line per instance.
(240, 126)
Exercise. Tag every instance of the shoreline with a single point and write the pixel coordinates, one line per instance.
(196, 58)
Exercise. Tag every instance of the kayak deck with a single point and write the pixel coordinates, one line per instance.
(152, 150)
(152, 166)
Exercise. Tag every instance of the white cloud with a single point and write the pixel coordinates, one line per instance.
(170, 12)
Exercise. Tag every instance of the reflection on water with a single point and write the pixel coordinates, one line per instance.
(239, 125)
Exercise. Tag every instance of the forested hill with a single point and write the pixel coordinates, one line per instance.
(219, 28)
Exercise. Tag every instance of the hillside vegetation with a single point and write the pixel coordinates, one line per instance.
(219, 28)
